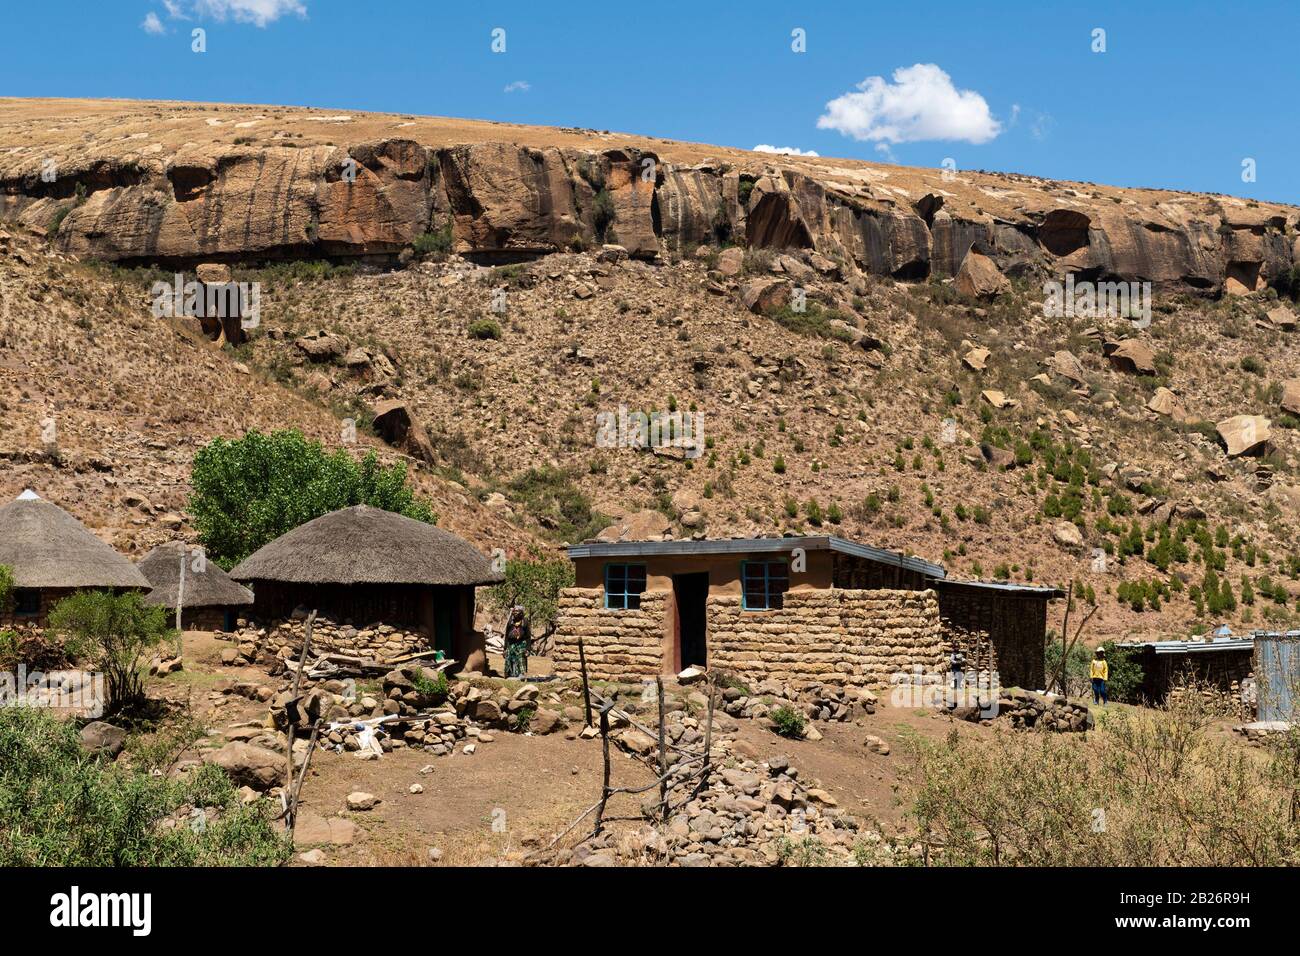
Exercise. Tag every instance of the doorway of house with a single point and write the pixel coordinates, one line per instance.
(691, 592)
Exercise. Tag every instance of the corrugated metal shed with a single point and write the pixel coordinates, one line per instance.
(1277, 674)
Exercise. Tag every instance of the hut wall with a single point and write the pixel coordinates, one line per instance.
(1220, 669)
(48, 598)
(400, 605)
(379, 642)
(1015, 625)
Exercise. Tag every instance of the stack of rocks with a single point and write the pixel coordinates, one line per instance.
(828, 702)
(1026, 710)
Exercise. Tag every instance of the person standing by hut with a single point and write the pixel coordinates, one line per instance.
(517, 638)
(1100, 673)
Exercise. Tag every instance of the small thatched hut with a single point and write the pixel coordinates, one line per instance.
(209, 599)
(52, 554)
(364, 565)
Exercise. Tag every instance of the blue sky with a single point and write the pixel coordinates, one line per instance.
(1183, 93)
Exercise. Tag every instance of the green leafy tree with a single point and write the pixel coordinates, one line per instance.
(115, 631)
(6, 586)
(535, 584)
(251, 490)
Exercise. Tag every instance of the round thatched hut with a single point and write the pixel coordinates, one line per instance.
(364, 565)
(52, 554)
(209, 599)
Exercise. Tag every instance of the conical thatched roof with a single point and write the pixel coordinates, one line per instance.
(48, 548)
(210, 587)
(364, 545)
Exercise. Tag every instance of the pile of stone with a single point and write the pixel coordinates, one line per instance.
(416, 709)
(828, 702)
(1033, 711)
(749, 814)
(284, 640)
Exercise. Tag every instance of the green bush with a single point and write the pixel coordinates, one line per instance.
(60, 806)
(115, 631)
(250, 491)
(435, 243)
(788, 721)
(6, 586)
(551, 496)
(484, 329)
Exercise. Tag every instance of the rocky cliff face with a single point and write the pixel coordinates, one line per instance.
(153, 195)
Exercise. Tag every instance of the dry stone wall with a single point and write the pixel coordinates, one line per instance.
(619, 645)
(845, 637)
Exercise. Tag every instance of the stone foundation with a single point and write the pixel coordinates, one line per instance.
(619, 645)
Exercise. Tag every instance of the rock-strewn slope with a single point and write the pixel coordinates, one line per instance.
(123, 180)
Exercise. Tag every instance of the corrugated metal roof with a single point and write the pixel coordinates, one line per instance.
(620, 549)
(1193, 647)
(1006, 587)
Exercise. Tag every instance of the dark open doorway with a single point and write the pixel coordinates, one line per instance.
(690, 592)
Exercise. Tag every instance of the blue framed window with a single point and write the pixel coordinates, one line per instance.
(624, 585)
(764, 585)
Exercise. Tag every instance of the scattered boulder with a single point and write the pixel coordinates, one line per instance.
(1244, 435)
(101, 737)
(1132, 356)
(979, 278)
(250, 765)
(1291, 396)
(1067, 535)
(361, 800)
(976, 359)
(1164, 402)
(762, 295)
(730, 261)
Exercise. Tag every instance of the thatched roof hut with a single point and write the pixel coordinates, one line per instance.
(364, 566)
(364, 545)
(48, 548)
(208, 587)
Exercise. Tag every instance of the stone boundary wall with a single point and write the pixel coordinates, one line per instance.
(844, 637)
(619, 645)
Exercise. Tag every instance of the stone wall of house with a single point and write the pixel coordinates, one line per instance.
(619, 645)
(379, 642)
(845, 637)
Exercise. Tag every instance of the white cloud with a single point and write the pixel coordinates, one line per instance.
(151, 24)
(920, 104)
(257, 12)
(518, 86)
(784, 150)
(174, 9)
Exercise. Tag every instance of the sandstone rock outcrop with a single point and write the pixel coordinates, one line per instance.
(185, 192)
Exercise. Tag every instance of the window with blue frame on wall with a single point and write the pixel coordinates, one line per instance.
(624, 585)
(765, 584)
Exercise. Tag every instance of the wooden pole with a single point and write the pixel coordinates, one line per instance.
(290, 733)
(586, 686)
(180, 590)
(604, 743)
(663, 754)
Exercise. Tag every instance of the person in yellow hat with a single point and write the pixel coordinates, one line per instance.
(1100, 673)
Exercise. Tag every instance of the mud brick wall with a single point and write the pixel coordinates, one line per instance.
(619, 645)
(845, 637)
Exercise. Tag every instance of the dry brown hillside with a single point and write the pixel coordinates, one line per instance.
(832, 419)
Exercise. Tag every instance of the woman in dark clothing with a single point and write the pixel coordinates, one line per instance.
(516, 641)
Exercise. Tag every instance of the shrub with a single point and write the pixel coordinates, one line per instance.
(250, 491)
(116, 631)
(6, 586)
(549, 493)
(60, 806)
(484, 329)
(788, 722)
(436, 243)
(1147, 788)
